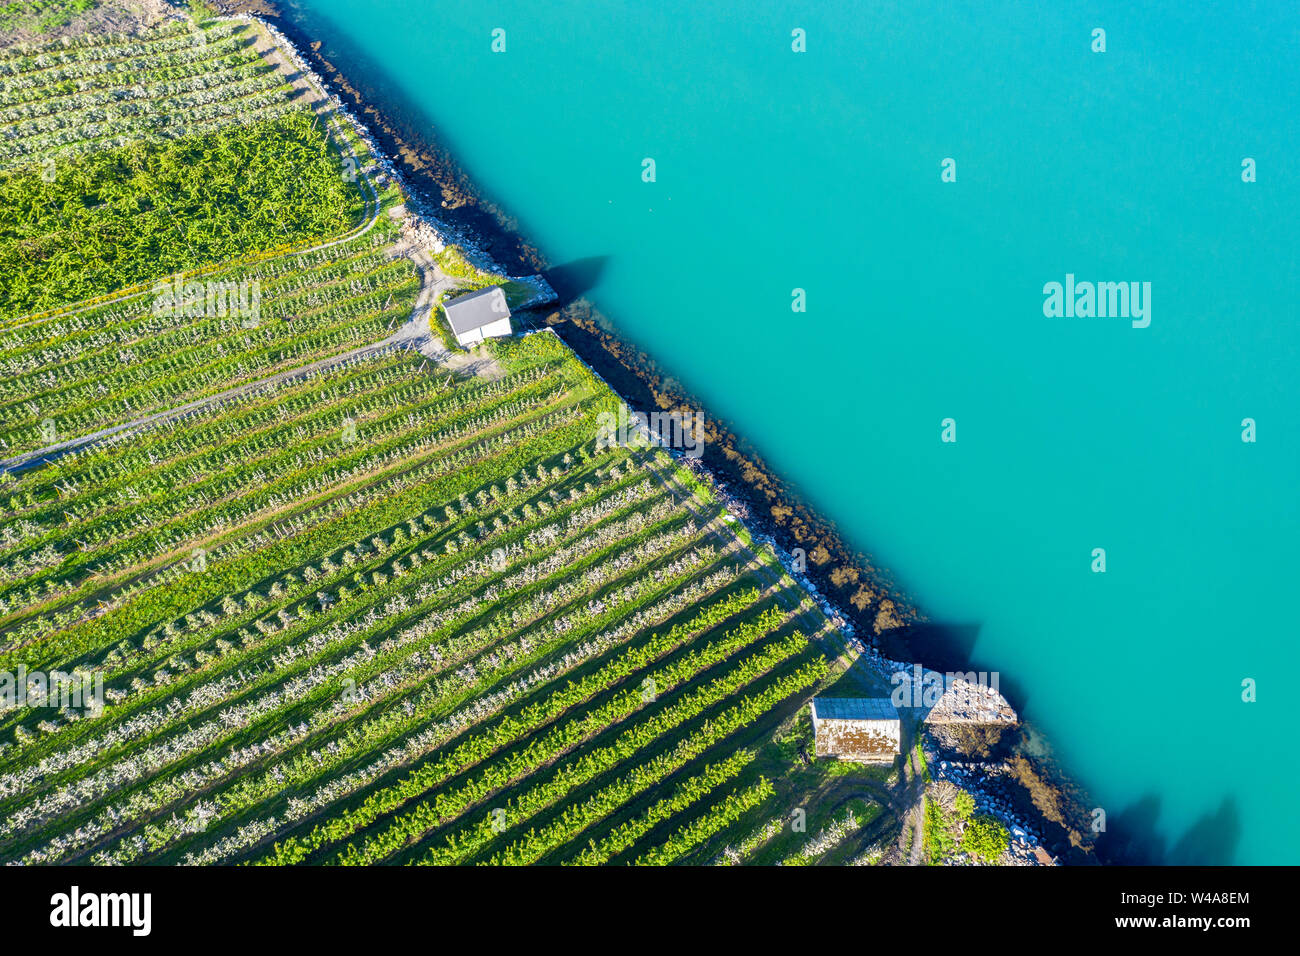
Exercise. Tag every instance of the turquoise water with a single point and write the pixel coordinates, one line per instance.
(821, 171)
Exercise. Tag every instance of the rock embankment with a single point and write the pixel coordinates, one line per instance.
(986, 782)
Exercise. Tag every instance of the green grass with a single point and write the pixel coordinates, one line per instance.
(42, 15)
(940, 841)
(516, 293)
(122, 217)
(454, 263)
(442, 328)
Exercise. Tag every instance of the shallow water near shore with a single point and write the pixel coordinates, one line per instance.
(778, 170)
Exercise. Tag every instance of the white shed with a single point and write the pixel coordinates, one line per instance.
(479, 315)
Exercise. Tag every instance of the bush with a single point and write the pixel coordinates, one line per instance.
(963, 805)
(440, 327)
(146, 211)
(944, 792)
(939, 840)
(986, 839)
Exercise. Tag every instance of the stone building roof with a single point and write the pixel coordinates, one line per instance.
(967, 702)
(853, 708)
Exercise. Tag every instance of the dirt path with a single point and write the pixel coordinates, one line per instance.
(843, 792)
(913, 788)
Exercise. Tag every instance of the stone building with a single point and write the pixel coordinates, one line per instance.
(864, 729)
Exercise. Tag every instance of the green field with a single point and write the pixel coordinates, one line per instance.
(350, 606)
(41, 15)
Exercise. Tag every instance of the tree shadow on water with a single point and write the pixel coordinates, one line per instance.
(575, 279)
(1212, 840)
(1131, 837)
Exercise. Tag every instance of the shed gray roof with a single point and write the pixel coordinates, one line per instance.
(476, 309)
(854, 708)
